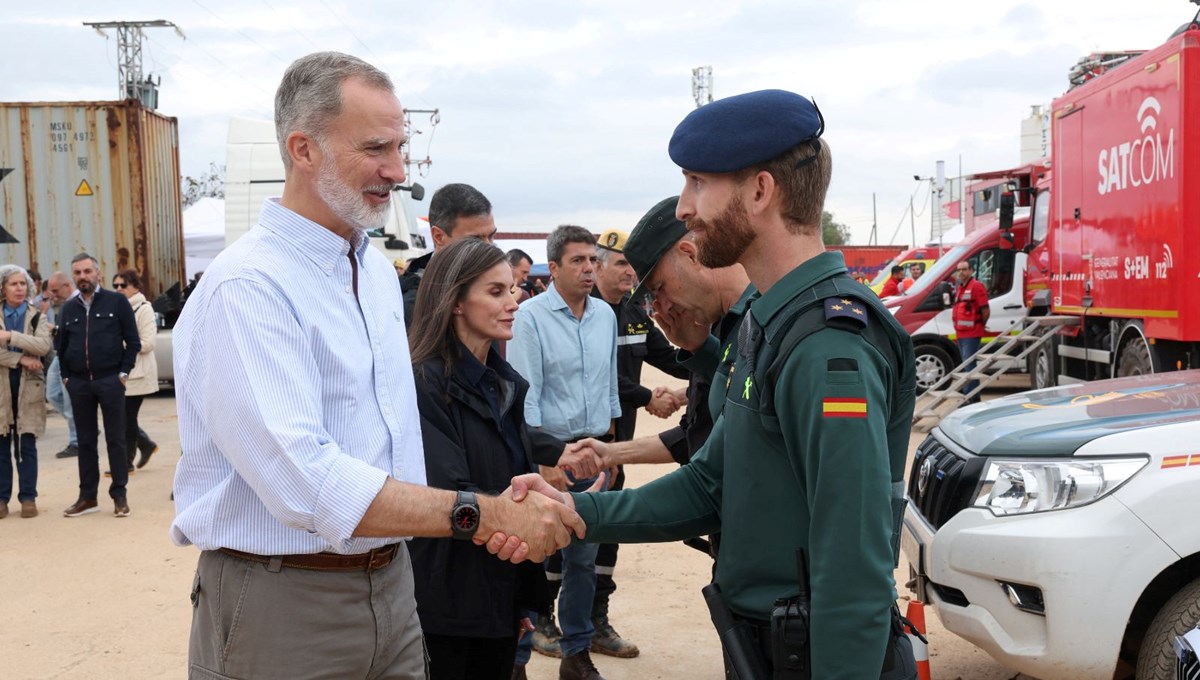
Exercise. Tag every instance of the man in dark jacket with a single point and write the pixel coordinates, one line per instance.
(456, 211)
(97, 345)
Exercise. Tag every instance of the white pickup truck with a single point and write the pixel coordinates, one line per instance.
(1057, 529)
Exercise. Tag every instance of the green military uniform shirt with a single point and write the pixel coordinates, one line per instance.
(817, 475)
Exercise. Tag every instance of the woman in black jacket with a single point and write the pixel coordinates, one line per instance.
(473, 425)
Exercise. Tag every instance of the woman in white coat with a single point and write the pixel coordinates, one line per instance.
(24, 340)
(143, 379)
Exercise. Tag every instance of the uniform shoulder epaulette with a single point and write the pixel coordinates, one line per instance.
(845, 312)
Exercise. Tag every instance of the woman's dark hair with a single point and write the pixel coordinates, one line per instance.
(449, 276)
(131, 277)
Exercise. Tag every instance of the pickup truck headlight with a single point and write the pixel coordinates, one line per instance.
(1010, 487)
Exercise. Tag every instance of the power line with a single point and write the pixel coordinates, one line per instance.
(293, 27)
(240, 32)
(352, 33)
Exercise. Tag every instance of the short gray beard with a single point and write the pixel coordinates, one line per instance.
(348, 204)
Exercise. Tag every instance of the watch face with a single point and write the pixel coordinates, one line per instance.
(466, 518)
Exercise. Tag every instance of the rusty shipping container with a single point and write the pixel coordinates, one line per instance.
(96, 177)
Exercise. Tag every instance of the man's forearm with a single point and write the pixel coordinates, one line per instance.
(403, 509)
(644, 450)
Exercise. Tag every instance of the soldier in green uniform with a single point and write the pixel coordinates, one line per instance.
(809, 451)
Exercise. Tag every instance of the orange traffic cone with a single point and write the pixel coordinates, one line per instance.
(916, 616)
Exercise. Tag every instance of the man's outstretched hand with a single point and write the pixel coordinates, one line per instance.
(524, 489)
(531, 529)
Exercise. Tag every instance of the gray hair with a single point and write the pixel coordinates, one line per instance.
(9, 270)
(603, 254)
(310, 94)
(558, 239)
(85, 256)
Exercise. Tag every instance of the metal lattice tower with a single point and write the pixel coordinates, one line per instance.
(130, 83)
(702, 85)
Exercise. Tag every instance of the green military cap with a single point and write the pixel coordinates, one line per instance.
(613, 239)
(653, 236)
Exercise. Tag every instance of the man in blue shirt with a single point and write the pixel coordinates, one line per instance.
(565, 344)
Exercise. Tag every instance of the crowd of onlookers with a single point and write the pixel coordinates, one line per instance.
(85, 350)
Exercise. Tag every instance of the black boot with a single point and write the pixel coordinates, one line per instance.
(147, 447)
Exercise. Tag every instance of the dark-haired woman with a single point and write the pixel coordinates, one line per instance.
(473, 425)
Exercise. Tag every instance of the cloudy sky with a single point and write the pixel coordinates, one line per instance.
(561, 111)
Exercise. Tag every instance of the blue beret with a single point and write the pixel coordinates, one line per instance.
(737, 132)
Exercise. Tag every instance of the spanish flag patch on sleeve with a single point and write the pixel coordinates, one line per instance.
(838, 407)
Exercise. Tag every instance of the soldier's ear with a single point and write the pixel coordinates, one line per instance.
(688, 249)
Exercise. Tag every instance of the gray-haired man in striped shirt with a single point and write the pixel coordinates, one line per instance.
(302, 470)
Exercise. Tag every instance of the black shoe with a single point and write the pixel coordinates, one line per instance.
(578, 666)
(148, 448)
(609, 642)
(72, 451)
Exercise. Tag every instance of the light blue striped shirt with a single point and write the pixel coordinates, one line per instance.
(295, 401)
(571, 365)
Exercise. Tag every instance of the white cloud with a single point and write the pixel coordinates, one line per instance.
(561, 112)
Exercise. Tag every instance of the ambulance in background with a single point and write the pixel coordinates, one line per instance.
(922, 256)
(998, 259)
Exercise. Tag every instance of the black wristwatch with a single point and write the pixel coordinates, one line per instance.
(464, 518)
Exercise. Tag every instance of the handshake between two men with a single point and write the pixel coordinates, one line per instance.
(530, 520)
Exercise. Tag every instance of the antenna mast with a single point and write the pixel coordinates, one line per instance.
(702, 85)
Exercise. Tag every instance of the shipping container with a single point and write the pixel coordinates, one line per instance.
(96, 177)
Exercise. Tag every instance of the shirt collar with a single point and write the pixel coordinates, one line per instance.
(739, 307)
(14, 311)
(557, 301)
(317, 243)
(809, 273)
(470, 366)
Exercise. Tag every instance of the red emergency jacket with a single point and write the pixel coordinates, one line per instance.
(970, 303)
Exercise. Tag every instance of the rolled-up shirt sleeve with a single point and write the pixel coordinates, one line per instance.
(262, 410)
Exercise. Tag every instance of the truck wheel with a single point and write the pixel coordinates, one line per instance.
(1043, 371)
(933, 364)
(1135, 358)
(1181, 613)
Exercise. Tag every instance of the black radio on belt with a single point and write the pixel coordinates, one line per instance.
(790, 631)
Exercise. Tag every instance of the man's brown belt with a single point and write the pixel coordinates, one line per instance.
(368, 561)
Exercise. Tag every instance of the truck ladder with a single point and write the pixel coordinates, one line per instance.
(993, 360)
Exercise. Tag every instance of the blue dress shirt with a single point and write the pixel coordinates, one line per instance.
(571, 365)
(295, 399)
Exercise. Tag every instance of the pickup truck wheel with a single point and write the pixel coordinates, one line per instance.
(933, 364)
(1181, 613)
(1042, 369)
(1135, 358)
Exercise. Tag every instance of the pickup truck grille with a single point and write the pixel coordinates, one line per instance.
(949, 480)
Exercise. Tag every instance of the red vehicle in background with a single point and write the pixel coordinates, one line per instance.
(1110, 239)
(998, 260)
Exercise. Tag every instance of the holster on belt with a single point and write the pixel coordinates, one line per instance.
(737, 637)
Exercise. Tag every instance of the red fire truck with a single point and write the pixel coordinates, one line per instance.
(1109, 237)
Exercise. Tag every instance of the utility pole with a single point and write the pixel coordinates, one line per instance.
(702, 85)
(411, 130)
(130, 84)
(874, 240)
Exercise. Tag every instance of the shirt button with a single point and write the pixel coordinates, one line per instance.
(348, 289)
(387, 410)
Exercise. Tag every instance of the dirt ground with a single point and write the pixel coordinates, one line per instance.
(101, 597)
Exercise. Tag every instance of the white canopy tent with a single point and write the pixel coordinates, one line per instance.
(203, 233)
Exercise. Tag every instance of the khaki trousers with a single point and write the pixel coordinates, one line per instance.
(252, 623)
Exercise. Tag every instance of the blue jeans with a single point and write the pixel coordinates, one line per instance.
(27, 467)
(578, 591)
(56, 394)
(525, 644)
(968, 347)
